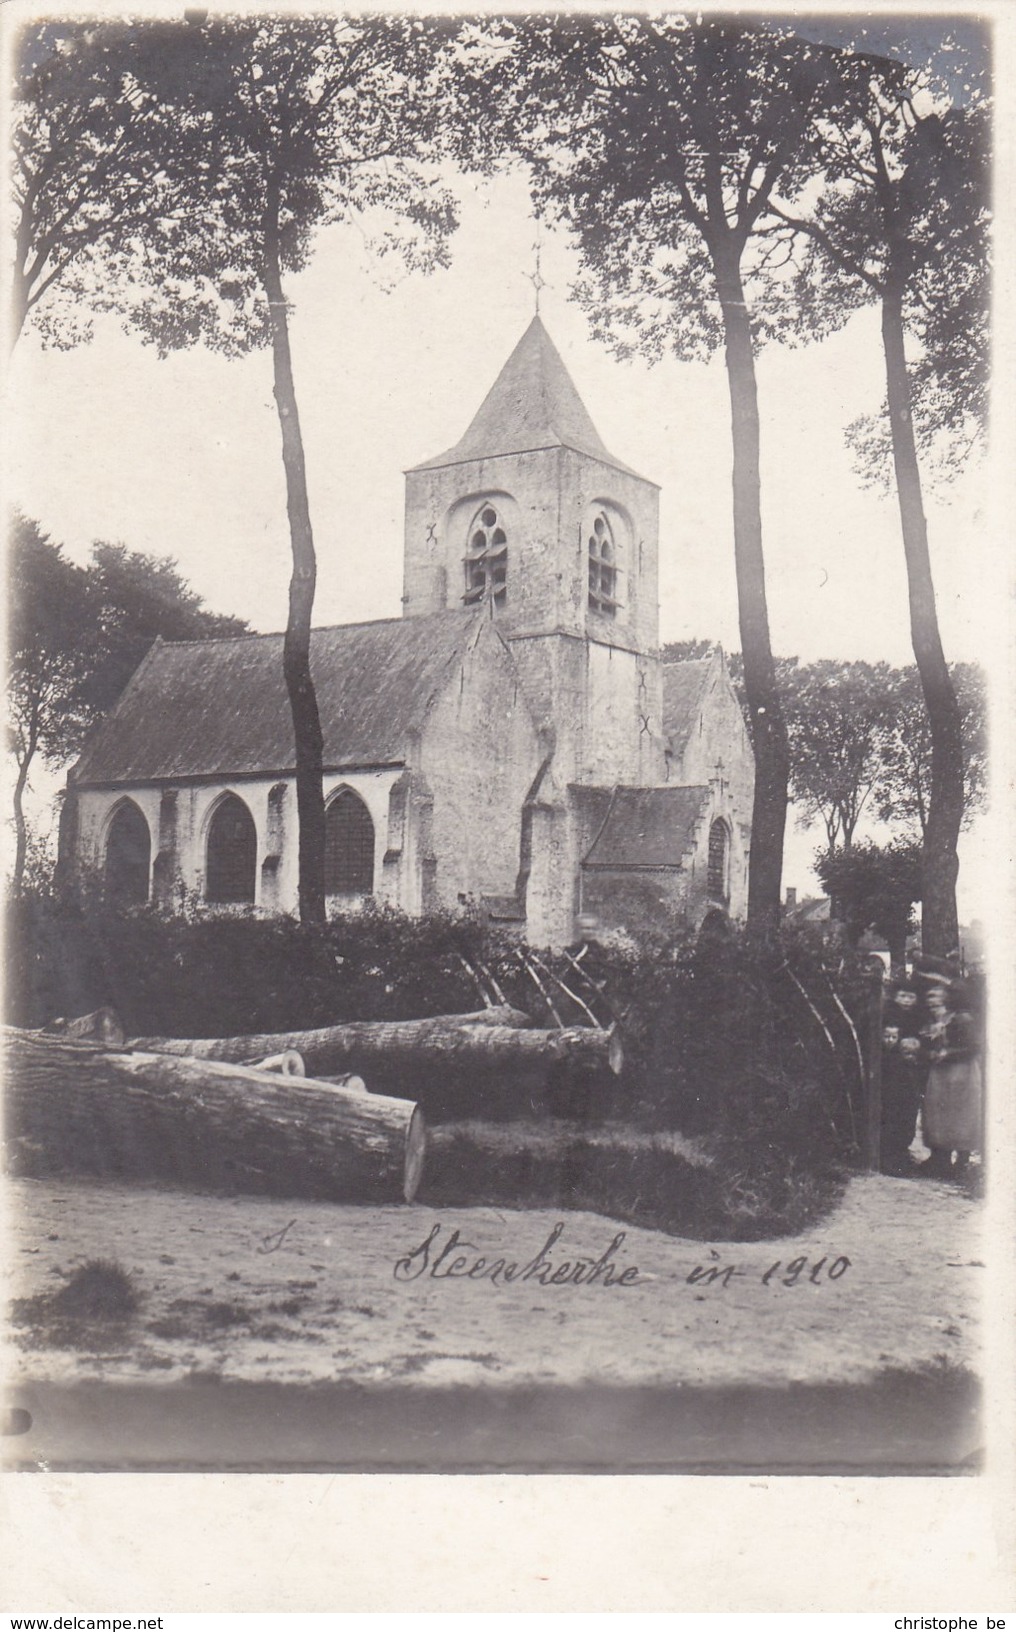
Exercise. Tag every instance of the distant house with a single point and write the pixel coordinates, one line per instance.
(812, 909)
(816, 912)
(513, 740)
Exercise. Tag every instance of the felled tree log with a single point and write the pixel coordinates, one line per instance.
(494, 1046)
(351, 1046)
(370, 1047)
(76, 1108)
(496, 1014)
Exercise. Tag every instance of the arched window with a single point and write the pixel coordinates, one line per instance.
(349, 846)
(719, 852)
(128, 856)
(232, 853)
(486, 560)
(602, 568)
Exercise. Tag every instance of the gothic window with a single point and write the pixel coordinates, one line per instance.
(486, 560)
(349, 846)
(232, 853)
(719, 850)
(128, 856)
(602, 568)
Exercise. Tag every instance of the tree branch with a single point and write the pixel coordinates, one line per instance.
(813, 230)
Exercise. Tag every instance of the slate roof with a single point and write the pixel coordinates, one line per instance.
(648, 827)
(220, 708)
(813, 910)
(589, 807)
(684, 686)
(532, 404)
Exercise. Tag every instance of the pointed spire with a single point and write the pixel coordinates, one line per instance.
(532, 404)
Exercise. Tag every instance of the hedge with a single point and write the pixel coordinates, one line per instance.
(720, 1038)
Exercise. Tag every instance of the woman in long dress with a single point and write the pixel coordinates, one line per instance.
(951, 1114)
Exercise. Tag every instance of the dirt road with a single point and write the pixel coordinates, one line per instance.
(256, 1290)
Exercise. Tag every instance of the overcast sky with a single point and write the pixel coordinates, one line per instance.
(182, 457)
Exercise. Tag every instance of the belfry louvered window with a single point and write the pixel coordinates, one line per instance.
(486, 560)
(602, 568)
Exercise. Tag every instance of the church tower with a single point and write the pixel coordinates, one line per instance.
(531, 516)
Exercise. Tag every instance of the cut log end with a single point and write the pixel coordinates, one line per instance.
(288, 1064)
(416, 1148)
(615, 1052)
(348, 1079)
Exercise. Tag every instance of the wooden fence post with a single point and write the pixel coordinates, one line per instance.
(873, 1076)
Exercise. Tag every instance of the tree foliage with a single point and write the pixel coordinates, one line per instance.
(903, 790)
(860, 741)
(837, 719)
(75, 636)
(874, 887)
(903, 219)
(139, 154)
(259, 132)
(94, 164)
(685, 651)
(50, 634)
(906, 209)
(293, 124)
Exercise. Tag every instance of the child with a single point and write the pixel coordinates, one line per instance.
(904, 1070)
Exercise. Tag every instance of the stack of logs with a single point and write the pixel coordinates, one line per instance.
(281, 1113)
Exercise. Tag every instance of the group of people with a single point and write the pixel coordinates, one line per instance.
(931, 1068)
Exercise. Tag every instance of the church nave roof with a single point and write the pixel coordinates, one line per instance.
(219, 707)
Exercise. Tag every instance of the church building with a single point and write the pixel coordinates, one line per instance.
(513, 743)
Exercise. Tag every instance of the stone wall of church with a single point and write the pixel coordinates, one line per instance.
(552, 895)
(651, 901)
(622, 719)
(719, 734)
(696, 898)
(631, 505)
(96, 809)
(178, 820)
(479, 752)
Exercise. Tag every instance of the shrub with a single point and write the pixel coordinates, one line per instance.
(93, 1305)
(216, 976)
(749, 1048)
(99, 1291)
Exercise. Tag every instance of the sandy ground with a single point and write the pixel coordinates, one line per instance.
(249, 1289)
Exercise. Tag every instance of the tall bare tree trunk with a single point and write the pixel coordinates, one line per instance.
(769, 731)
(19, 311)
(20, 827)
(296, 648)
(21, 290)
(939, 861)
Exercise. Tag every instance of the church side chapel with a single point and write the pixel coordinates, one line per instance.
(512, 742)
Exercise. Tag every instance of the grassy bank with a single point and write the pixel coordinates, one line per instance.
(703, 1190)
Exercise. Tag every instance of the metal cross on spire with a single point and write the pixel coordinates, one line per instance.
(536, 278)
